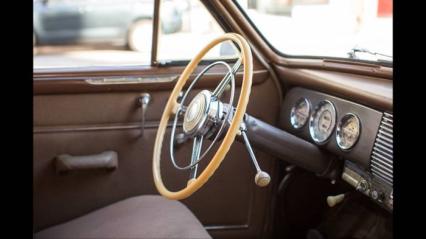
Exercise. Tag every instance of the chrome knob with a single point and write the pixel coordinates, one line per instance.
(262, 179)
(375, 195)
(390, 201)
(363, 186)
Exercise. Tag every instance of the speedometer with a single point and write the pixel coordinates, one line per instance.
(348, 131)
(322, 121)
(300, 113)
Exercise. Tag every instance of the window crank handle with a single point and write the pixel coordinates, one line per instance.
(143, 100)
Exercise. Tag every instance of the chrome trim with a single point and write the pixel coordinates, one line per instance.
(378, 156)
(218, 91)
(381, 158)
(339, 131)
(83, 128)
(196, 151)
(293, 113)
(351, 177)
(131, 80)
(226, 227)
(311, 121)
(384, 145)
(382, 153)
(389, 140)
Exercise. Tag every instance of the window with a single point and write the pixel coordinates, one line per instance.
(74, 33)
(80, 33)
(197, 29)
(325, 28)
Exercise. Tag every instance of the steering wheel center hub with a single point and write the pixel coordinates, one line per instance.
(196, 113)
(202, 113)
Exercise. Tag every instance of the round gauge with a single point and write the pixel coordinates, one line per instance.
(348, 131)
(322, 121)
(300, 113)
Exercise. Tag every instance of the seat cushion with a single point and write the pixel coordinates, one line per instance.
(148, 216)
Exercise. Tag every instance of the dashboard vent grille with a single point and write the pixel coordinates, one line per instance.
(381, 163)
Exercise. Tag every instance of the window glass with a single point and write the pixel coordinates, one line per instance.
(75, 33)
(329, 28)
(186, 31)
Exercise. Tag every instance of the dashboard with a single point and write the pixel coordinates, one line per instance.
(359, 135)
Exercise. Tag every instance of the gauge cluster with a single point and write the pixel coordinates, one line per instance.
(322, 123)
(340, 126)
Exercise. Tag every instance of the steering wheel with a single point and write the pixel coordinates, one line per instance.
(204, 109)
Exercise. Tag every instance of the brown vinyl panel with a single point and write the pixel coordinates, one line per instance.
(81, 124)
(367, 90)
(82, 192)
(122, 107)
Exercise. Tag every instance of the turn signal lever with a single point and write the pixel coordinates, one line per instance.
(262, 178)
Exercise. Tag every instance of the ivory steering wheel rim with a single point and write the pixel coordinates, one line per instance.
(171, 106)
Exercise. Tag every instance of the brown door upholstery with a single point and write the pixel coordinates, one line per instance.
(76, 118)
(137, 217)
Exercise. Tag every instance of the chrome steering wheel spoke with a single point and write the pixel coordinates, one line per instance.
(227, 79)
(196, 151)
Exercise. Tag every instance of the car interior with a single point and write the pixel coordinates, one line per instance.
(229, 137)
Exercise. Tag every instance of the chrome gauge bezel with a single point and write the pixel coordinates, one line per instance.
(293, 119)
(339, 131)
(312, 121)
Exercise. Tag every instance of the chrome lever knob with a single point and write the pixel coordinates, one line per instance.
(262, 178)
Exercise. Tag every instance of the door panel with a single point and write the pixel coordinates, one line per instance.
(108, 118)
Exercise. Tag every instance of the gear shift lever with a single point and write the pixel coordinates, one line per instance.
(262, 178)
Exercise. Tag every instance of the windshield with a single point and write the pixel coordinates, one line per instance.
(352, 29)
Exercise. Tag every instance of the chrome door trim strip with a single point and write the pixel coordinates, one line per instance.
(80, 128)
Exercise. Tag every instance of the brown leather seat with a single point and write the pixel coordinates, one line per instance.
(147, 216)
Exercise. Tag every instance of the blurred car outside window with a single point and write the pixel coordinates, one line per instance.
(87, 33)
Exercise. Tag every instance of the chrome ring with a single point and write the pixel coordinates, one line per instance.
(293, 120)
(312, 118)
(339, 132)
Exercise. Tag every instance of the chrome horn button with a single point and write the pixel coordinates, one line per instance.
(196, 112)
(203, 111)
